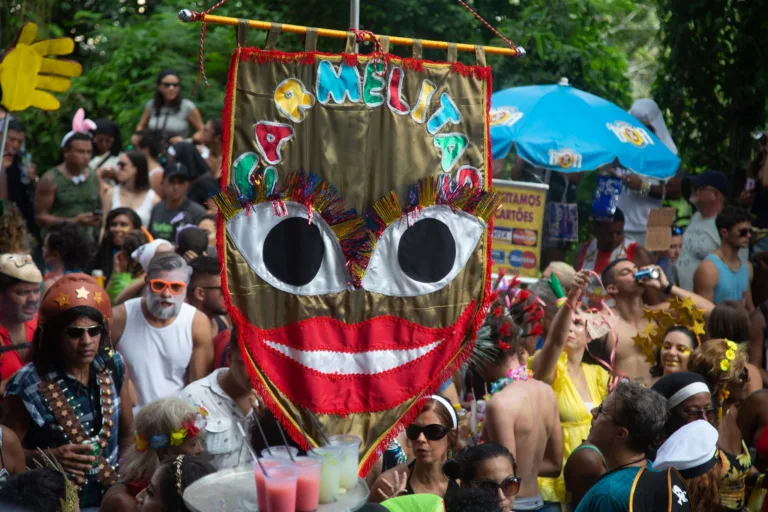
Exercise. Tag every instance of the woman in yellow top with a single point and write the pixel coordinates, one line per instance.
(579, 387)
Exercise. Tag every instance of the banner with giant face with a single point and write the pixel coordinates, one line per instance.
(354, 236)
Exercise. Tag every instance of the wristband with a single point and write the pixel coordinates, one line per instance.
(668, 289)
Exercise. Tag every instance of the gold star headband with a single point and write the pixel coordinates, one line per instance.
(682, 312)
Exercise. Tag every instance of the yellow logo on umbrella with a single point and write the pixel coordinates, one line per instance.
(565, 158)
(505, 116)
(630, 134)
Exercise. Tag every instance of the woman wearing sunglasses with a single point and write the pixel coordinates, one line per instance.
(431, 437)
(488, 466)
(67, 401)
(722, 363)
(132, 189)
(169, 112)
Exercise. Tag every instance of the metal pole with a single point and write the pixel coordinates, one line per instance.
(354, 18)
(3, 137)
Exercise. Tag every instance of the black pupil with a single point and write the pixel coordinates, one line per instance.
(293, 251)
(427, 251)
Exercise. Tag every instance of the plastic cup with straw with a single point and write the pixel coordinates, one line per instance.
(261, 469)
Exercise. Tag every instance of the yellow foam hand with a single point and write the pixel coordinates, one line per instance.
(27, 71)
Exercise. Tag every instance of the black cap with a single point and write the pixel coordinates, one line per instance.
(176, 169)
(711, 178)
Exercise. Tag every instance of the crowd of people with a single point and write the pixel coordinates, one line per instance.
(123, 381)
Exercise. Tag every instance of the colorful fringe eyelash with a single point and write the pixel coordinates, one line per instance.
(431, 191)
(318, 196)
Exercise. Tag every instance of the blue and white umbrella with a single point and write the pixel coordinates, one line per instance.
(564, 129)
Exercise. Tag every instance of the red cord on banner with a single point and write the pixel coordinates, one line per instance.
(378, 52)
(509, 42)
(200, 16)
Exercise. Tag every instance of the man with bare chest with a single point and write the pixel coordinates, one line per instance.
(522, 414)
(627, 292)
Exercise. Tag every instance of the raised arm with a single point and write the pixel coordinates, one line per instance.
(675, 291)
(545, 362)
(202, 348)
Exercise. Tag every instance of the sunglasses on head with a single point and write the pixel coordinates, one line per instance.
(159, 286)
(509, 486)
(434, 432)
(77, 332)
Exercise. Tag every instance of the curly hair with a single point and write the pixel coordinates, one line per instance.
(13, 230)
(707, 361)
(704, 490)
(161, 416)
(73, 247)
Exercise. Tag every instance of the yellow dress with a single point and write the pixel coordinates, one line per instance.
(575, 419)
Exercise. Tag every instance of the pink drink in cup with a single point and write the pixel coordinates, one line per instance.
(281, 488)
(261, 490)
(308, 485)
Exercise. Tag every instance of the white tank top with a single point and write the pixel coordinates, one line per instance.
(157, 358)
(144, 211)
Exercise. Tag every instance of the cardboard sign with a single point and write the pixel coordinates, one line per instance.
(658, 233)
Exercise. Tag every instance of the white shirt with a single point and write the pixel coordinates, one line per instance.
(222, 438)
(157, 358)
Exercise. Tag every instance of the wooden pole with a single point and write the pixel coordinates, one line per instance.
(188, 17)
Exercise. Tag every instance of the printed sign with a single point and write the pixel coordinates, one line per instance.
(517, 228)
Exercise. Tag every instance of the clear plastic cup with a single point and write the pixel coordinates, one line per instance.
(308, 485)
(330, 476)
(280, 452)
(350, 447)
(261, 490)
(281, 482)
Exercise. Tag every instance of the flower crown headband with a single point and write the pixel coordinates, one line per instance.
(189, 428)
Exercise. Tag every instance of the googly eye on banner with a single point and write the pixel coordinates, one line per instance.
(289, 252)
(424, 256)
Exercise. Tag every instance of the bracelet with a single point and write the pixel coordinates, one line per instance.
(668, 289)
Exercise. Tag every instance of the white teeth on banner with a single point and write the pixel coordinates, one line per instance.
(352, 363)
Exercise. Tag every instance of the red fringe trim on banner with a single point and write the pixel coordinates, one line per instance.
(352, 59)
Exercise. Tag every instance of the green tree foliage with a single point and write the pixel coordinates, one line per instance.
(125, 43)
(713, 79)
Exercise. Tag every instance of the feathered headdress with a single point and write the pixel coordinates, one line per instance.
(71, 500)
(79, 125)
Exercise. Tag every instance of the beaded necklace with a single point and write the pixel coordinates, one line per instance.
(521, 373)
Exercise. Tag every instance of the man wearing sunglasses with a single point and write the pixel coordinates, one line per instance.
(726, 274)
(166, 342)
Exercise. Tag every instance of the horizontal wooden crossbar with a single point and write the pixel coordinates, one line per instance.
(188, 16)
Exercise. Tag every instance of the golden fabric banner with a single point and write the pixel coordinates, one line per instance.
(354, 313)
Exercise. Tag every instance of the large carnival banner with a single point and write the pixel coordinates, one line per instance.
(354, 235)
(518, 228)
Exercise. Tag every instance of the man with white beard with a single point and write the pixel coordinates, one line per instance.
(166, 343)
